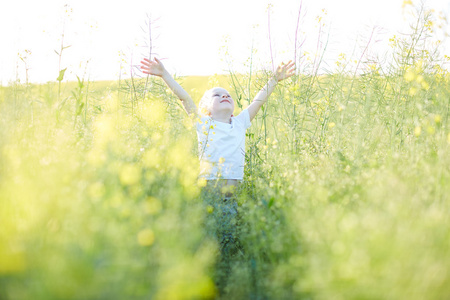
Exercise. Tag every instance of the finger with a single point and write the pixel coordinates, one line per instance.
(157, 60)
(146, 59)
(147, 64)
(289, 62)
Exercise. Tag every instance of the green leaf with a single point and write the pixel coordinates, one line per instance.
(80, 83)
(79, 109)
(61, 75)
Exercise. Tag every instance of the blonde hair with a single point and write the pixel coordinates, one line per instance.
(204, 106)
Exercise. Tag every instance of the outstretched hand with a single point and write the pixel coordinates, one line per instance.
(153, 67)
(285, 71)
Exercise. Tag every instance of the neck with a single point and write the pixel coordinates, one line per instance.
(221, 117)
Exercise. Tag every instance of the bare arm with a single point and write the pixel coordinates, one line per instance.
(282, 72)
(156, 68)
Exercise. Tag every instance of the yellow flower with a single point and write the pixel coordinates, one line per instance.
(393, 41)
(429, 25)
(406, 3)
(221, 160)
(410, 75)
(425, 85)
(331, 125)
(412, 91)
(201, 182)
(437, 119)
(417, 131)
(146, 237)
(130, 174)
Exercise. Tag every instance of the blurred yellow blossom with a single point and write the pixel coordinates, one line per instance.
(129, 174)
(152, 205)
(152, 158)
(393, 41)
(412, 91)
(437, 119)
(146, 237)
(425, 85)
(201, 182)
(406, 3)
(410, 75)
(417, 131)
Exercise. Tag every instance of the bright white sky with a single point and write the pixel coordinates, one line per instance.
(189, 35)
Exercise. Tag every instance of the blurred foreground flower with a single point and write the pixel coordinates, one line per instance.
(130, 174)
(146, 237)
(417, 131)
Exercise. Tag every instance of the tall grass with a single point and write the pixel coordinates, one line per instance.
(345, 193)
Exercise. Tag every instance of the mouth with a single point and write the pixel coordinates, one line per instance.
(226, 101)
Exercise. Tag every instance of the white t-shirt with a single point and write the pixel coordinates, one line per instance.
(222, 147)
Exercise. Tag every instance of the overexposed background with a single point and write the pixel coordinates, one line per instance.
(191, 36)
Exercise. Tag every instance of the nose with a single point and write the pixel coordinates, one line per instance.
(224, 96)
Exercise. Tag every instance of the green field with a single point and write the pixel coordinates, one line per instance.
(346, 191)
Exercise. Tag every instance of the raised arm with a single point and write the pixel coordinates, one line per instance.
(283, 71)
(156, 68)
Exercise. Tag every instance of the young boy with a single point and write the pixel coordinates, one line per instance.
(221, 136)
(221, 141)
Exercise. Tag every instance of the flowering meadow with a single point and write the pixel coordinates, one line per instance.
(345, 195)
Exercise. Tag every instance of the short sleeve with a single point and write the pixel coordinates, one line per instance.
(244, 118)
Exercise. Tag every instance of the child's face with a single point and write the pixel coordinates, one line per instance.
(221, 101)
